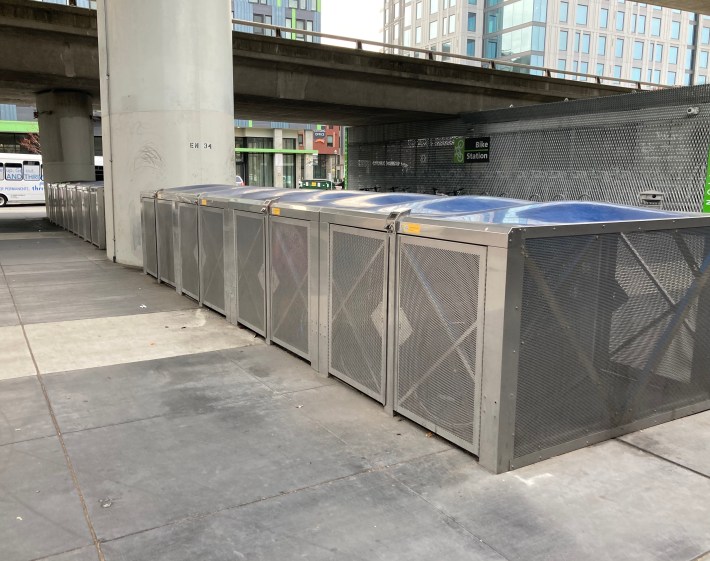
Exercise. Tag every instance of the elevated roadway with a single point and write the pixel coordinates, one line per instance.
(48, 46)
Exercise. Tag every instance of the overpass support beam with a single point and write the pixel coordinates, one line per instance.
(167, 105)
(67, 136)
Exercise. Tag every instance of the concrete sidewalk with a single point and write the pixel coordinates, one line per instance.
(135, 426)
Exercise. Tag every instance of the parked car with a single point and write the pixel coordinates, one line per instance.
(240, 181)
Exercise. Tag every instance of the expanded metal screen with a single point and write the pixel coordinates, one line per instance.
(615, 328)
(612, 149)
(357, 303)
(85, 216)
(150, 242)
(166, 255)
(289, 284)
(189, 250)
(439, 337)
(212, 258)
(251, 266)
(94, 217)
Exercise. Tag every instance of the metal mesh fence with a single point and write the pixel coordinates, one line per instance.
(614, 329)
(357, 307)
(608, 149)
(251, 261)
(289, 284)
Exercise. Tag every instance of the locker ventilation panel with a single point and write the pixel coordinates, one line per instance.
(189, 251)
(358, 266)
(166, 256)
(440, 319)
(151, 266)
(251, 262)
(289, 285)
(212, 258)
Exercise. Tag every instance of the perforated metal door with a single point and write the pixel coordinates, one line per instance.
(289, 284)
(166, 255)
(94, 214)
(251, 262)
(441, 291)
(149, 237)
(189, 250)
(357, 308)
(85, 216)
(100, 240)
(212, 258)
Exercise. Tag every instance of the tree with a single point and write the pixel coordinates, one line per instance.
(31, 143)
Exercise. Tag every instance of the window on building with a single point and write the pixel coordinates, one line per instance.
(656, 79)
(686, 79)
(470, 47)
(418, 34)
(407, 42)
(603, 18)
(699, 80)
(658, 52)
(396, 10)
(601, 45)
(619, 21)
(705, 36)
(638, 50)
(582, 13)
(656, 27)
(564, 11)
(433, 29)
(600, 69)
(641, 24)
(445, 48)
(472, 2)
(407, 14)
(617, 71)
(576, 42)
(471, 22)
(619, 48)
(585, 43)
(636, 74)
(689, 59)
(583, 68)
(563, 40)
(675, 30)
(433, 6)
(329, 140)
(703, 59)
(491, 48)
(670, 78)
(561, 65)
(418, 13)
(452, 23)
(632, 29)
(673, 55)
(300, 139)
(690, 39)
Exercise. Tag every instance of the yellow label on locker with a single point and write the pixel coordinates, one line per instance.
(204, 202)
(276, 211)
(409, 228)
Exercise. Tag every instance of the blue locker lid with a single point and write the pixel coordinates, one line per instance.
(381, 203)
(566, 212)
(464, 204)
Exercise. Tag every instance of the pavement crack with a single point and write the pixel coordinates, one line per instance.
(668, 460)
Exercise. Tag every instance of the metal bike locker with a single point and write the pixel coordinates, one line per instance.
(48, 201)
(84, 206)
(249, 211)
(354, 278)
(293, 263)
(527, 332)
(62, 205)
(177, 236)
(71, 207)
(216, 250)
(97, 215)
(149, 233)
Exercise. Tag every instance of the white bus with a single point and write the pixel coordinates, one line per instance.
(21, 178)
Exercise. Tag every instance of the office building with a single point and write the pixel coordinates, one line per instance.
(612, 38)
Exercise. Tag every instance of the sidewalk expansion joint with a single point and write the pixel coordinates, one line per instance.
(668, 460)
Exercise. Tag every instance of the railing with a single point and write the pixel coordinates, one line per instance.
(494, 64)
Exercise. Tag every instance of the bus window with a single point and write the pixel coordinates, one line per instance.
(32, 171)
(13, 172)
(2, 172)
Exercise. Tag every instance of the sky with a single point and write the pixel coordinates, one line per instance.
(361, 19)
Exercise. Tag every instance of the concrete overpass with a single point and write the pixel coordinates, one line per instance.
(48, 46)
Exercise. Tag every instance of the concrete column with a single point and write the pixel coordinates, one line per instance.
(278, 158)
(66, 134)
(308, 145)
(167, 101)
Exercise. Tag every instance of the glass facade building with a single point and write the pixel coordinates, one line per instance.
(612, 38)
